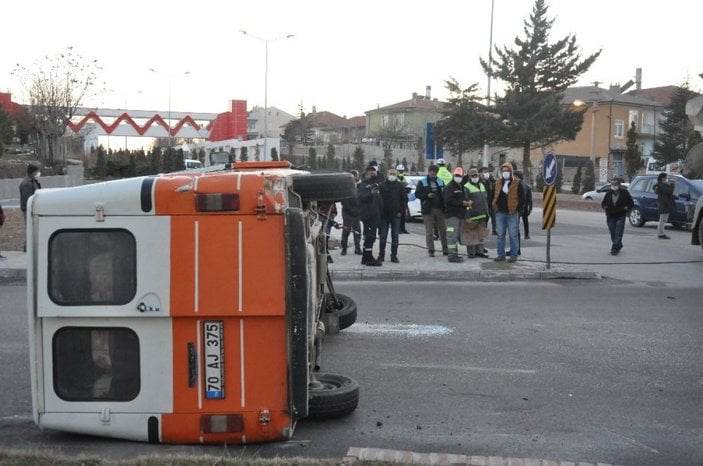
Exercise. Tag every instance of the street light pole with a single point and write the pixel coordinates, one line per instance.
(488, 90)
(266, 80)
(170, 79)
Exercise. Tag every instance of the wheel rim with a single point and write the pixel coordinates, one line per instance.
(635, 217)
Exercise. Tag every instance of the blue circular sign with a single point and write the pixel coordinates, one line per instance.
(549, 168)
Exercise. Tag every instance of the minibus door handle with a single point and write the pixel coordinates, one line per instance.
(141, 307)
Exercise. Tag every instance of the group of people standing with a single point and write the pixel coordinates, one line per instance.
(455, 207)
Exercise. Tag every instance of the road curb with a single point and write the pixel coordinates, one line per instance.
(463, 275)
(13, 276)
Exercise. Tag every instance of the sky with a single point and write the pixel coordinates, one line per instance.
(344, 57)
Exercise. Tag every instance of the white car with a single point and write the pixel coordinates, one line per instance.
(599, 194)
(414, 206)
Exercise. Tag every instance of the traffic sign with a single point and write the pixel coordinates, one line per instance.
(549, 168)
(549, 206)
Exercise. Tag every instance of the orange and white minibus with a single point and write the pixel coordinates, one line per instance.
(186, 307)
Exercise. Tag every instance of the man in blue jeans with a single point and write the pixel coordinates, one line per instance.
(617, 203)
(508, 202)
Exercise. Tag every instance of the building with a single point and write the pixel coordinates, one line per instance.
(607, 120)
(276, 119)
(403, 125)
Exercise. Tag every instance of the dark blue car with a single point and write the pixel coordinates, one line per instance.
(686, 193)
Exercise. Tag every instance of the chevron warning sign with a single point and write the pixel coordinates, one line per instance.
(549, 207)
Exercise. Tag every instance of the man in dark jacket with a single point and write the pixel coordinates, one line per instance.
(665, 199)
(454, 211)
(616, 203)
(350, 220)
(371, 206)
(394, 199)
(27, 187)
(429, 191)
(486, 178)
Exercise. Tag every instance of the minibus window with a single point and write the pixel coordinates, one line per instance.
(92, 267)
(96, 364)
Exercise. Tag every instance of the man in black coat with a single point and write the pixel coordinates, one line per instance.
(350, 220)
(395, 198)
(371, 207)
(616, 203)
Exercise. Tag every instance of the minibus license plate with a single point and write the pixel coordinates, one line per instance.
(214, 359)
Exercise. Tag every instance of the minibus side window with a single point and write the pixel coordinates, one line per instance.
(93, 364)
(93, 266)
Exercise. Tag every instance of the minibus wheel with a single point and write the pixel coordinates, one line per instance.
(345, 307)
(333, 186)
(332, 395)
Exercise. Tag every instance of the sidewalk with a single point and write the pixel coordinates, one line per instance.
(415, 264)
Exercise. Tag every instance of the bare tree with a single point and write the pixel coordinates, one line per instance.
(56, 86)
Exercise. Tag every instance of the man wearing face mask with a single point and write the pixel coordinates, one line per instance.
(617, 203)
(370, 208)
(27, 188)
(508, 202)
(455, 204)
(486, 179)
(394, 199)
(476, 215)
(429, 191)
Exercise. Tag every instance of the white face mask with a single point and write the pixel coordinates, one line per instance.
(506, 175)
(474, 179)
(458, 179)
(486, 176)
(392, 177)
(614, 187)
(37, 174)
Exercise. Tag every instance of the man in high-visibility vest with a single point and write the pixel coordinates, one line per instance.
(443, 172)
(476, 214)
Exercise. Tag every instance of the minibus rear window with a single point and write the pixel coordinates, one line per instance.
(96, 363)
(88, 267)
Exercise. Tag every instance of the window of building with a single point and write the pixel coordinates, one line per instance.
(96, 363)
(384, 121)
(91, 266)
(619, 129)
(632, 118)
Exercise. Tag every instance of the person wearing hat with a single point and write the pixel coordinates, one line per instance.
(476, 215)
(370, 210)
(429, 190)
(443, 172)
(400, 168)
(616, 203)
(455, 204)
(27, 187)
(508, 202)
(379, 176)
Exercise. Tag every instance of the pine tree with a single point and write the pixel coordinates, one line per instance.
(274, 154)
(633, 154)
(101, 163)
(588, 181)
(312, 158)
(676, 128)
(536, 73)
(358, 164)
(330, 159)
(244, 154)
(387, 159)
(576, 184)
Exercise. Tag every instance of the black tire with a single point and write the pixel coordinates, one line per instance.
(324, 186)
(346, 310)
(336, 396)
(635, 217)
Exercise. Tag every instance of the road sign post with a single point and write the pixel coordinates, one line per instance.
(549, 198)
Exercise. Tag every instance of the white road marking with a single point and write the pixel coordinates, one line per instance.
(498, 370)
(412, 330)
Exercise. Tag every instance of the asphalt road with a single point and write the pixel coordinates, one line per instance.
(599, 370)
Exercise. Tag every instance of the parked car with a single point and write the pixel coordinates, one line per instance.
(599, 194)
(686, 193)
(414, 208)
(697, 226)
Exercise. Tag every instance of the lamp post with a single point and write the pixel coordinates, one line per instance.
(594, 109)
(125, 111)
(488, 90)
(266, 80)
(170, 79)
